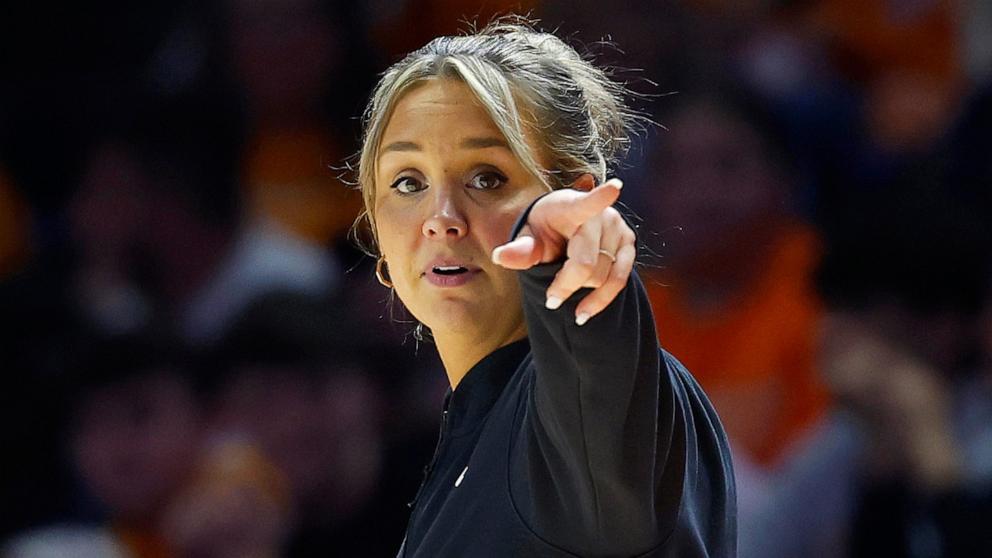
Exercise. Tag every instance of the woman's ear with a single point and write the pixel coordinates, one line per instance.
(584, 183)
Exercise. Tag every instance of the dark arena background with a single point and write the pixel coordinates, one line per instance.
(196, 361)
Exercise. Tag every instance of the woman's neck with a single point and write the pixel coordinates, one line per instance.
(460, 351)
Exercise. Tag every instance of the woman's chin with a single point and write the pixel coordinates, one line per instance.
(455, 317)
(461, 319)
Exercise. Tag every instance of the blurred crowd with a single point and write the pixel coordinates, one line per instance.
(198, 362)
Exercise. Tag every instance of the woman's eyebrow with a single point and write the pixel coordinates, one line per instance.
(400, 146)
(467, 143)
(482, 143)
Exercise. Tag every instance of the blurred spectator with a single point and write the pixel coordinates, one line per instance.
(300, 384)
(137, 437)
(287, 60)
(116, 259)
(134, 432)
(803, 505)
(235, 505)
(909, 94)
(144, 245)
(108, 216)
(905, 285)
(296, 65)
(734, 299)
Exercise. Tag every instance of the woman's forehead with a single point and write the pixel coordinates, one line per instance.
(448, 109)
(438, 104)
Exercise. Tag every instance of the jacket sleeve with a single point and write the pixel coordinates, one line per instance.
(609, 447)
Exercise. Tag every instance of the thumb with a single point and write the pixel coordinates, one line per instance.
(521, 253)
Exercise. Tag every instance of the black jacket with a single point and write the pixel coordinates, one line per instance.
(578, 441)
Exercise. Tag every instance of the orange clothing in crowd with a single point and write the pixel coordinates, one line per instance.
(755, 355)
(236, 491)
(142, 543)
(916, 37)
(908, 54)
(290, 179)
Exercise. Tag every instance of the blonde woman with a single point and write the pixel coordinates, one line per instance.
(566, 431)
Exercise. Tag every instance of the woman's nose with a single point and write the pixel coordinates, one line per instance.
(446, 221)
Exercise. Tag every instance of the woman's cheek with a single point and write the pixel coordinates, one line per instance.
(390, 229)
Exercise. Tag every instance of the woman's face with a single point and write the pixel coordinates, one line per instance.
(448, 191)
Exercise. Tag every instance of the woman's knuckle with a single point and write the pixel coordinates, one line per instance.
(583, 265)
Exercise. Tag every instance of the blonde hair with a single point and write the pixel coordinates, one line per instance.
(522, 77)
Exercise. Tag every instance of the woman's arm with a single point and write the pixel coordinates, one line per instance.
(616, 434)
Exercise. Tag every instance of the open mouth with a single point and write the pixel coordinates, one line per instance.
(449, 270)
(450, 274)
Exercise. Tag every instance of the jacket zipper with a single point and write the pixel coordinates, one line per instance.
(427, 473)
(430, 467)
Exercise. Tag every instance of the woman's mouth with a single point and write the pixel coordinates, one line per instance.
(450, 275)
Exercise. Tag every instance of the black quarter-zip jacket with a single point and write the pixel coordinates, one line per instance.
(577, 441)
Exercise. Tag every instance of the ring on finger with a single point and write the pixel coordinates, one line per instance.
(608, 254)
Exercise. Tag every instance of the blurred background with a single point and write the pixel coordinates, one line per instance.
(197, 362)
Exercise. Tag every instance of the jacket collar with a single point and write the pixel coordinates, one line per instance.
(478, 391)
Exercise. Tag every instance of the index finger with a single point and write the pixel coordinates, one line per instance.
(589, 204)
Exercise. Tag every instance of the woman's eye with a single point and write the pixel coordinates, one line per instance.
(487, 180)
(407, 185)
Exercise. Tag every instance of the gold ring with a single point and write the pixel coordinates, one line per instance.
(612, 257)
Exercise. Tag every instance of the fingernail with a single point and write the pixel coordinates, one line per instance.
(581, 319)
(619, 183)
(496, 253)
(553, 303)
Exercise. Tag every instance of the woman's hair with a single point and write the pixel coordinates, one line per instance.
(525, 79)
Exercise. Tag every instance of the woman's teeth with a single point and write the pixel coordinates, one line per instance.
(449, 270)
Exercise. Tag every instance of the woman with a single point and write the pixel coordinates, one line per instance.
(566, 431)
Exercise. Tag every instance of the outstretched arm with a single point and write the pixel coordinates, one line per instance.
(599, 464)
